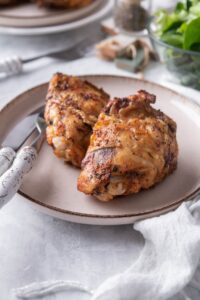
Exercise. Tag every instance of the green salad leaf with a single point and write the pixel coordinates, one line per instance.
(173, 39)
(191, 38)
(181, 27)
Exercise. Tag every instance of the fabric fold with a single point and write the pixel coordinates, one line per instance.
(167, 262)
(166, 265)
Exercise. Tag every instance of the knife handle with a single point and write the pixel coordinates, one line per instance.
(7, 156)
(12, 179)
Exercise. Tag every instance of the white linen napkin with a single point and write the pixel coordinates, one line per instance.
(168, 261)
(165, 266)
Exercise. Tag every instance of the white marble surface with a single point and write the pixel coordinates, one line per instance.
(37, 247)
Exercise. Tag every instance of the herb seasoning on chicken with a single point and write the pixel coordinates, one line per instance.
(133, 147)
(72, 109)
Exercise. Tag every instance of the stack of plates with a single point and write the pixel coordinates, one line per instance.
(29, 19)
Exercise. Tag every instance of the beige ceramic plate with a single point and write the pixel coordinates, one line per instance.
(101, 11)
(51, 185)
(29, 15)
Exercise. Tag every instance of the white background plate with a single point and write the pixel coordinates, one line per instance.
(97, 13)
(30, 15)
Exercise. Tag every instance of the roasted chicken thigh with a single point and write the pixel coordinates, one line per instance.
(133, 147)
(72, 109)
(53, 3)
(64, 3)
(7, 2)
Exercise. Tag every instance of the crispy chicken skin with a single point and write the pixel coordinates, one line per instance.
(133, 147)
(64, 3)
(7, 2)
(53, 3)
(72, 109)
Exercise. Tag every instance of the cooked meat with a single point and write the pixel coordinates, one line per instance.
(7, 2)
(133, 147)
(72, 109)
(53, 3)
(64, 3)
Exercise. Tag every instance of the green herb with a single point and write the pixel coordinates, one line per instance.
(181, 27)
(191, 37)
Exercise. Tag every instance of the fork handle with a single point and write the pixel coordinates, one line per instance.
(7, 156)
(11, 65)
(12, 179)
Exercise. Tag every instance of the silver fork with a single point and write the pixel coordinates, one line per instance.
(14, 65)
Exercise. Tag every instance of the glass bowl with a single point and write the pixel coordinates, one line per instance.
(183, 64)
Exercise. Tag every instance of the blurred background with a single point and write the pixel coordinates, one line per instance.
(132, 34)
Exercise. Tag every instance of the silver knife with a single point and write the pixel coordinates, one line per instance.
(14, 166)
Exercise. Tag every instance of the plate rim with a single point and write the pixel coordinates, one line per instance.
(176, 203)
(192, 196)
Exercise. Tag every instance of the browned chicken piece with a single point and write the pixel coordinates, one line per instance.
(64, 3)
(8, 2)
(133, 147)
(72, 109)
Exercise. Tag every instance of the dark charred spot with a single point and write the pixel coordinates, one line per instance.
(124, 102)
(121, 103)
(117, 104)
(89, 96)
(107, 108)
(96, 192)
(159, 114)
(62, 82)
(80, 129)
(88, 127)
(63, 85)
(115, 168)
(69, 101)
(169, 159)
(147, 96)
(106, 185)
(133, 174)
(172, 127)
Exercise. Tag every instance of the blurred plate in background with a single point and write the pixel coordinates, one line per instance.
(30, 15)
(51, 23)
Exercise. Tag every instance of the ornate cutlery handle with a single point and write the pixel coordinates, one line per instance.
(12, 179)
(11, 65)
(7, 156)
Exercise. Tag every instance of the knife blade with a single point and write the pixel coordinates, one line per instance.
(21, 131)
